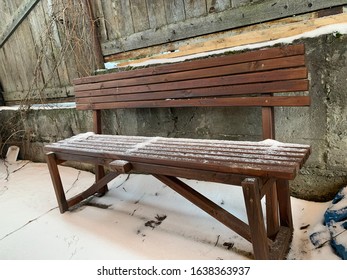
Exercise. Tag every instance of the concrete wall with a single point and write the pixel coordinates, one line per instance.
(323, 125)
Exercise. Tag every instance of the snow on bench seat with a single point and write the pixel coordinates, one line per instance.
(265, 158)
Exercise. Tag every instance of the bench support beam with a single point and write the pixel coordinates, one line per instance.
(65, 204)
(93, 189)
(207, 205)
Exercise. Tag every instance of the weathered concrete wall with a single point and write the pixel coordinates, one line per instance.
(323, 125)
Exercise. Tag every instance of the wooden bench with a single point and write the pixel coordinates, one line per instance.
(262, 168)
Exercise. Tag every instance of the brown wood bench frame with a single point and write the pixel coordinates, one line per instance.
(245, 79)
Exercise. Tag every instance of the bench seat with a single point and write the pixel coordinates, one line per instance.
(267, 158)
(256, 166)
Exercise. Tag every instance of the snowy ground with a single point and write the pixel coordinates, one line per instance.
(143, 225)
(143, 220)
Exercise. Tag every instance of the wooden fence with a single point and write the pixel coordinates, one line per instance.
(44, 44)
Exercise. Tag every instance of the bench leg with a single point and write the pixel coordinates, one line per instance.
(272, 215)
(285, 209)
(251, 191)
(56, 180)
(99, 174)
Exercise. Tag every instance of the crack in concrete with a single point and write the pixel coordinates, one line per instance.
(19, 168)
(74, 182)
(8, 173)
(27, 223)
(121, 184)
(3, 189)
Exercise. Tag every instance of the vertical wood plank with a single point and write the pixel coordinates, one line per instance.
(56, 46)
(174, 10)
(44, 64)
(156, 13)
(238, 3)
(195, 8)
(111, 14)
(28, 56)
(98, 57)
(99, 16)
(139, 15)
(125, 23)
(12, 48)
(217, 5)
(97, 122)
(24, 8)
(12, 63)
(6, 77)
(9, 71)
(268, 123)
(5, 15)
(65, 59)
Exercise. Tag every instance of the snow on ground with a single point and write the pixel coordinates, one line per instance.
(142, 220)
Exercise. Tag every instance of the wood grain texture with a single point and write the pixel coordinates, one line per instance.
(231, 80)
(230, 157)
(185, 21)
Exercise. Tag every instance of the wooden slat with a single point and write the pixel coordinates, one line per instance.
(245, 169)
(145, 150)
(106, 96)
(191, 155)
(232, 80)
(206, 102)
(216, 80)
(243, 68)
(208, 153)
(130, 141)
(256, 55)
(282, 153)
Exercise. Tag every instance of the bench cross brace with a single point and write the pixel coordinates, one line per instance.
(65, 204)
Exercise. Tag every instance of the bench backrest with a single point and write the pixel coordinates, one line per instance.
(244, 79)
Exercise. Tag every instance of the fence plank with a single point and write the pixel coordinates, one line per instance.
(17, 19)
(270, 32)
(195, 8)
(156, 13)
(174, 10)
(124, 16)
(217, 5)
(139, 15)
(180, 28)
(6, 77)
(112, 24)
(55, 43)
(238, 3)
(100, 18)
